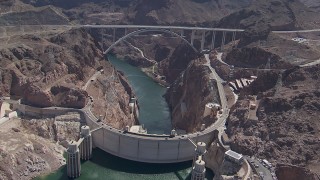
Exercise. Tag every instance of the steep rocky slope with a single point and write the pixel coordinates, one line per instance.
(260, 49)
(314, 4)
(189, 94)
(277, 14)
(52, 71)
(288, 127)
(112, 92)
(48, 71)
(285, 172)
(42, 16)
(146, 12)
(55, 70)
(31, 145)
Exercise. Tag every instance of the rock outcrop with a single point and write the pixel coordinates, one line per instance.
(112, 92)
(189, 94)
(31, 146)
(288, 172)
(49, 72)
(274, 14)
(287, 129)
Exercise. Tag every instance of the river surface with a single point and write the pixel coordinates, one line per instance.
(104, 166)
(155, 115)
(154, 111)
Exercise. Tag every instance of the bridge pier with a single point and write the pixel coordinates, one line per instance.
(182, 33)
(102, 39)
(199, 170)
(125, 31)
(73, 160)
(86, 145)
(213, 39)
(114, 34)
(192, 37)
(234, 38)
(223, 39)
(203, 40)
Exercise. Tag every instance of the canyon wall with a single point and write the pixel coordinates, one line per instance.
(287, 128)
(189, 94)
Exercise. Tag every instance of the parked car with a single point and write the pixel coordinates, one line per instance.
(256, 165)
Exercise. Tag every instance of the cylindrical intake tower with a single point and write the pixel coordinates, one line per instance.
(73, 161)
(86, 145)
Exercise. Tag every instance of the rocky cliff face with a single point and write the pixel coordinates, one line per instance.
(112, 92)
(314, 4)
(31, 146)
(256, 49)
(177, 62)
(287, 128)
(189, 94)
(187, 12)
(61, 129)
(286, 172)
(49, 71)
(276, 14)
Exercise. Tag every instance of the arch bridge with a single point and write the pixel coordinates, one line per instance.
(180, 32)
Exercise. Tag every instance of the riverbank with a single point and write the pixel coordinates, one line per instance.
(161, 80)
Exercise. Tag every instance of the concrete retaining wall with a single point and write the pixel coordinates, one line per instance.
(39, 112)
(247, 170)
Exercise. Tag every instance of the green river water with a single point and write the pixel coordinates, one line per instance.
(155, 115)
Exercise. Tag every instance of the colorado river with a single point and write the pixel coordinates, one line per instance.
(155, 115)
(154, 111)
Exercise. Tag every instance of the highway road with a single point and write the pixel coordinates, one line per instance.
(222, 120)
(133, 27)
(92, 78)
(260, 168)
(297, 31)
(162, 27)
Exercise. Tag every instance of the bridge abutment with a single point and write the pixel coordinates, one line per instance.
(213, 39)
(223, 40)
(192, 37)
(234, 38)
(182, 33)
(203, 40)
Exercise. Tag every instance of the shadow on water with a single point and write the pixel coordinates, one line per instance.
(116, 163)
(106, 166)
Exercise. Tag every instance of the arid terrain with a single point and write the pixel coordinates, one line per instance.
(35, 146)
(59, 68)
(287, 129)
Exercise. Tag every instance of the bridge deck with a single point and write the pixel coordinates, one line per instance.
(161, 27)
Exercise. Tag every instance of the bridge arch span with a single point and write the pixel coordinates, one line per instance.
(147, 30)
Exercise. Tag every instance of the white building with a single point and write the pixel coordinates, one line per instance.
(233, 156)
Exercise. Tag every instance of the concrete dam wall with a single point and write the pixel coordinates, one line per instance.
(145, 148)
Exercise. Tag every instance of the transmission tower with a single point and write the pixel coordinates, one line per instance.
(110, 94)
